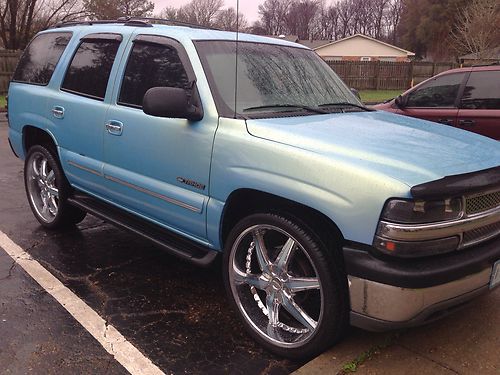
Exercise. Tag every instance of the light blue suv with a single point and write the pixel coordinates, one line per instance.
(204, 142)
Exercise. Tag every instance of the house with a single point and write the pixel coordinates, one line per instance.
(358, 47)
(489, 56)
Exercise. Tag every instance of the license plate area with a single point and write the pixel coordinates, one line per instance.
(495, 275)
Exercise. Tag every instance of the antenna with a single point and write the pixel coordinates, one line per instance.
(236, 56)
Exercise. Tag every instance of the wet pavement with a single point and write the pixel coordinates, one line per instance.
(176, 314)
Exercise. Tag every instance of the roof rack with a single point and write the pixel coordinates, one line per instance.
(135, 21)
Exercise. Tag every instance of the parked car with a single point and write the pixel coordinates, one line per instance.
(466, 98)
(326, 212)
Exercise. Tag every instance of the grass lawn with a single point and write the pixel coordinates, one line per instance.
(378, 96)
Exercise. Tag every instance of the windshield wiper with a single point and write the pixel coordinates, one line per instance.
(305, 107)
(346, 104)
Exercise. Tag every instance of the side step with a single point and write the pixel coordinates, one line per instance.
(165, 239)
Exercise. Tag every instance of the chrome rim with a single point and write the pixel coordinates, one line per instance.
(42, 188)
(276, 285)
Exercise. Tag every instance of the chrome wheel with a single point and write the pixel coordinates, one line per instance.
(42, 188)
(276, 286)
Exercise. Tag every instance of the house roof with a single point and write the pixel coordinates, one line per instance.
(492, 54)
(408, 53)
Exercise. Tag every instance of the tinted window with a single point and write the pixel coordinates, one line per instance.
(439, 92)
(41, 57)
(482, 91)
(151, 65)
(89, 71)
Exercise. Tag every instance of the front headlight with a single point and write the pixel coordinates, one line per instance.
(412, 219)
(414, 212)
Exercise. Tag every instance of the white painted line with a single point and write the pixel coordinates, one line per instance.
(108, 336)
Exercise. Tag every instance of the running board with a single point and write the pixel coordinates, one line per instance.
(173, 243)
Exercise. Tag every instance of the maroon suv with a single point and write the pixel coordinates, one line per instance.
(467, 98)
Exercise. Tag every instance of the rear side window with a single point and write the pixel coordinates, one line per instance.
(439, 92)
(151, 65)
(482, 91)
(40, 58)
(88, 73)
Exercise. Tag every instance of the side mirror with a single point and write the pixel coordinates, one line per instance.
(400, 101)
(170, 102)
(356, 93)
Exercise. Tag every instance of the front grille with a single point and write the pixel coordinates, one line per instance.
(480, 234)
(481, 203)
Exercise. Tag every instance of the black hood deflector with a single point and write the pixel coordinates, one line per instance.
(458, 185)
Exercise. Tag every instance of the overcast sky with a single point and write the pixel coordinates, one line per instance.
(248, 7)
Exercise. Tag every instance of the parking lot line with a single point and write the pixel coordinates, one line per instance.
(108, 336)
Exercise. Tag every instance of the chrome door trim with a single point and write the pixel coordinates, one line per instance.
(86, 169)
(153, 194)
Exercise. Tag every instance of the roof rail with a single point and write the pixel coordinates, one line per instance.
(135, 21)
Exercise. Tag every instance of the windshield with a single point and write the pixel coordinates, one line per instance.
(272, 80)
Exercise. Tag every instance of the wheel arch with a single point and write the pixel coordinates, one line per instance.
(33, 135)
(244, 202)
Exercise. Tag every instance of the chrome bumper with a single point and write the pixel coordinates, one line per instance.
(378, 307)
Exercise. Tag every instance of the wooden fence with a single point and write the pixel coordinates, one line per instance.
(384, 75)
(8, 62)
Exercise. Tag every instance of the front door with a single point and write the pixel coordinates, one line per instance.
(158, 167)
(435, 100)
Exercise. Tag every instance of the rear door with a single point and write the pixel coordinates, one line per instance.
(480, 104)
(78, 109)
(436, 100)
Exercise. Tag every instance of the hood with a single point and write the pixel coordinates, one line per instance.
(409, 150)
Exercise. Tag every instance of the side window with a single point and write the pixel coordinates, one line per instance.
(439, 92)
(482, 91)
(89, 70)
(151, 65)
(40, 58)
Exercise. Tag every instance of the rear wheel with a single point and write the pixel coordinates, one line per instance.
(47, 190)
(288, 290)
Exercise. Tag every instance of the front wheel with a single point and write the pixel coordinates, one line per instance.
(285, 285)
(47, 190)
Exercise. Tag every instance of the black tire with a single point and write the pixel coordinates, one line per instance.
(47, 190)
(305, 322)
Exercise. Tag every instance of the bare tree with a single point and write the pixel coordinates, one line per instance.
(21, 19)
(299, 19)
(273, 16)
(113, 9)
(478, 27)
(393, 18)
(169, 13)
(226, 20)
(201, 12)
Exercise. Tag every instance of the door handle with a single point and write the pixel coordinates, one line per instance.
(467, 122)
(58, 111)
(446, 121)
(114, 127)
